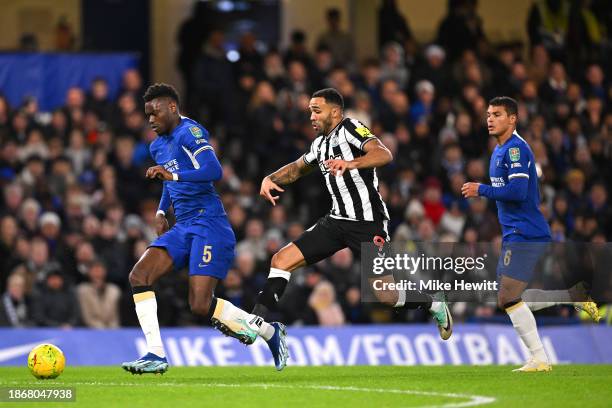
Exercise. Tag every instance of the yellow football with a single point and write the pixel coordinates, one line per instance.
(46, 361)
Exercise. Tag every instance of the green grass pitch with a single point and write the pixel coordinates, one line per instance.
(334, 387)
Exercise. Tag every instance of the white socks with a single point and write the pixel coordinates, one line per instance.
(279, 273)
(401, 298)
(537, 299)
(229, 315)
(146, 310)
(525, 325)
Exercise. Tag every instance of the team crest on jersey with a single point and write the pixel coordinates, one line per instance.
(335, 142)
(515, 154)
(195, 131)
(364, 131)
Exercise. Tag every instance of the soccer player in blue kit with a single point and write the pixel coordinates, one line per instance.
(525, 231)
(201, 239)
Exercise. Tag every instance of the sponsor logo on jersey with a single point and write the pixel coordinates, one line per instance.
(364, 132)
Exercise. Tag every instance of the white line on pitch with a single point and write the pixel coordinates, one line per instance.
(474, 400)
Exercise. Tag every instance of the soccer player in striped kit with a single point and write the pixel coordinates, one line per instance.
(347, 154)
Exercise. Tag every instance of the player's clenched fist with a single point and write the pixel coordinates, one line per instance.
(267, 186)
(158, 172)
(470, 190)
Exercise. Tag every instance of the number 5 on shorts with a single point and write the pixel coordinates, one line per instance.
(206, 257)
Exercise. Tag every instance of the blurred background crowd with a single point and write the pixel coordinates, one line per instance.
(76, 211)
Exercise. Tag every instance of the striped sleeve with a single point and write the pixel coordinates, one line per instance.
(310, 157)
(357, 133)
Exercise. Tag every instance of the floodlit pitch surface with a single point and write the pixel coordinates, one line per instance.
(357, 386)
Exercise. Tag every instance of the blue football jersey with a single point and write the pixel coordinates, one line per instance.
(178, 152)
(515, 159)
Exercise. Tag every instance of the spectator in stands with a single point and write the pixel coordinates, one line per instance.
(547, 24)
(393, 65)
(339, 42)
(14, 303)
(55, 303)
(461, 29)
(214, 80)
(323, 304)
(98, 101)
(392, 25)
(99, 299)
(297, 50)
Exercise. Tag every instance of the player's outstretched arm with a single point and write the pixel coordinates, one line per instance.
(283, 176)
(376, 155)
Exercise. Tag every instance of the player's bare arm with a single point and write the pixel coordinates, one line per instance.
(283, 176)
(377, 155)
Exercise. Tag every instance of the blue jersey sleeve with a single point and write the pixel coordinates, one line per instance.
(518, 161)
(206, 167)
(515, 190)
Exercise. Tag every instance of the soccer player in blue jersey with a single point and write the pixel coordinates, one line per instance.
(202, 238)
(514, 187)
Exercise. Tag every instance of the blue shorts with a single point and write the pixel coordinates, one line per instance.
(520, 256)
(206, 244)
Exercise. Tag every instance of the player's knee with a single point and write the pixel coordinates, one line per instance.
(281, 261)
(137, 277)
(277, 261)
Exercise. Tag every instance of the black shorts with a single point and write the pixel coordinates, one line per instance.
(329, 235)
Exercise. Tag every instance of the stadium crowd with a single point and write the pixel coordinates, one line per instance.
(77, 211)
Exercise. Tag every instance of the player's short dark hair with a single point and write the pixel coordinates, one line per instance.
(331, 96)
(161, 90)
(509, 104)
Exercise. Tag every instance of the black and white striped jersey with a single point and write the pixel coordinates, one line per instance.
(355, 194)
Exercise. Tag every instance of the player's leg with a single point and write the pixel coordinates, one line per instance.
(538, 299)
(235, 322)
(223, 315)
(211, 257)
(376, 232)
(154, 263)
(514, 270)
(317, 243)
(168, 251)
(523, 321)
